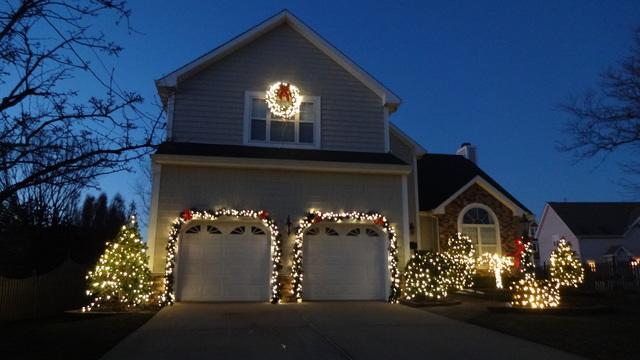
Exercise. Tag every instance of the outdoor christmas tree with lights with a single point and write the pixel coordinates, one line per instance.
(460, 253)
(121, 279)
(565, 268)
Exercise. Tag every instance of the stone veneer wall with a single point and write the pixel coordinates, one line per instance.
(510, 226)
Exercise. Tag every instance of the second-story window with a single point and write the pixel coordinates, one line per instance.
(263, 128)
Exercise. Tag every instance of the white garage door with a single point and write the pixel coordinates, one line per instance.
(220, 261)
(344, 262)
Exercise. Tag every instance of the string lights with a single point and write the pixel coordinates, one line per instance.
(427, 275)
(497, 264)
(461, 254)
(530, 292)
(314, 217)
(188, 215)
(565, 267)
(122, 276)
(283, 100)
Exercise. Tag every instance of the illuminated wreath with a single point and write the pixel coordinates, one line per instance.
(283, 100)
(168, 296)
(315, 217)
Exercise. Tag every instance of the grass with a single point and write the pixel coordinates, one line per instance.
(614, 335)
(67, 336)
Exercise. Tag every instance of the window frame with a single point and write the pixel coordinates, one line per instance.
(249, 96)
(477, 228)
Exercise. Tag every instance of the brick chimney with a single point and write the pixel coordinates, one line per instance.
(468, 151)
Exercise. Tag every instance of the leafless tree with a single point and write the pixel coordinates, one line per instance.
(51, 133)
(607, 119)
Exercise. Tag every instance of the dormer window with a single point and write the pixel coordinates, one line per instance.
(262, 128)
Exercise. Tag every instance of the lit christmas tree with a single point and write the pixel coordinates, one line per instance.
(565, 268)
(460, 253)
(121, 278)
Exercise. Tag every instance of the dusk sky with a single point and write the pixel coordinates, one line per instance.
(489, 73)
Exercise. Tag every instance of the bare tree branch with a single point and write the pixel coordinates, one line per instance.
(607, 120)
(49, 132)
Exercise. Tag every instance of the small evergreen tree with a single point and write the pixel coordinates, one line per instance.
(121, 277)
(460, 253)
(565, 268)
(427, 275)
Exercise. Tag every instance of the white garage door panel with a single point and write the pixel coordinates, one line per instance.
(223, 267)
(344, 267)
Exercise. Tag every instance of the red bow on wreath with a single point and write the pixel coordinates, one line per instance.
(186, 215)
(379, 221)
(263, 215)
(517, 254)
(284, 93)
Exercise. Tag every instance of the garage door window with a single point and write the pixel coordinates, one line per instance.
(331, 232)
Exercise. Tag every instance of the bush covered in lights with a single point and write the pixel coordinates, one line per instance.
(460, 253)
(121, 278)
(530, 292)
(427, 276)
(565, 268)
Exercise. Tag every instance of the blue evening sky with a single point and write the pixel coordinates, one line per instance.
(490, 73)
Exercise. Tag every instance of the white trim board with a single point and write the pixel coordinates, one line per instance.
(418, 149)
(172, 79)
(517, 210)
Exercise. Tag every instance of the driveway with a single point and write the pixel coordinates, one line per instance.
(320, 330)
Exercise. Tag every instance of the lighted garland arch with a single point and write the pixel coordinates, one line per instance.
(314, 217)
(188, 215)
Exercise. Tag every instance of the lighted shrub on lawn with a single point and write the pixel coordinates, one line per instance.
(427, 276)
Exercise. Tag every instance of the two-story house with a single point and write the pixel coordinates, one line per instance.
(280, 124)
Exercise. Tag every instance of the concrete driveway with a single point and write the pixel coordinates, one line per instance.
(321, 330)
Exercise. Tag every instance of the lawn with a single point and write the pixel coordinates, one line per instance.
(613, 335)
(67, 336)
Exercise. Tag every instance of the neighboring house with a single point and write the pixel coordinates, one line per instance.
(597, 231)
(225, 149)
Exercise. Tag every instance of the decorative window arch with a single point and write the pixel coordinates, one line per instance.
(188, 215)
(480, 223)
(314, 217)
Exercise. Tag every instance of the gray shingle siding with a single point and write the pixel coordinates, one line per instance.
(209, 107)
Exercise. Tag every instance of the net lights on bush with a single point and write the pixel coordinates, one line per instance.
(427, 275)
(283, 100)
(565, 267)
(497, 264)
(121, 277)
(533, 293)
(461, 253)
(314, 217)
(188, 215)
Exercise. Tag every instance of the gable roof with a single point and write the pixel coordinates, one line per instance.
(441, 177)
(598, 219)
(171, 80)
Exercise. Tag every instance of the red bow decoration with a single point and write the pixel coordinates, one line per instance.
(186, 215)
(284, 93)
(517, 254)
(263, 215)
(379, 221)
(316, 219)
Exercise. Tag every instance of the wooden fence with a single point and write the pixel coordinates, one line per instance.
(43, 295)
